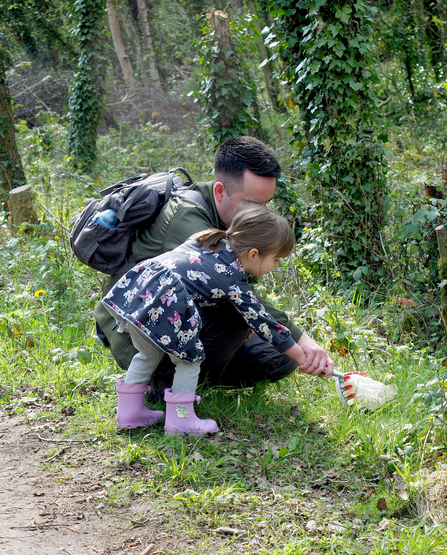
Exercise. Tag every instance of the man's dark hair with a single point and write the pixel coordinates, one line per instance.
(238, 154)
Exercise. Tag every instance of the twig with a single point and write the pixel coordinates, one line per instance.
(63, 440)
(386, 254)
(442, 318)
(384, 102)
(43, 525)
(36, 97)
(148, 549)
(140, 522)
(125, 99)
(425, 442)
(29, 89)
(56, 454)
(48, 211)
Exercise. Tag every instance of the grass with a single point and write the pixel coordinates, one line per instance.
(291, 471)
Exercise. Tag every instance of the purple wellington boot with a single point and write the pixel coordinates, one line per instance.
(132, 412)
(181, 418)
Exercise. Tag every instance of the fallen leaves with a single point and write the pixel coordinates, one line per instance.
(311, 526)
(404, 302)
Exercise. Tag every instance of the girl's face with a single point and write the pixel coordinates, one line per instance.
(258, 265)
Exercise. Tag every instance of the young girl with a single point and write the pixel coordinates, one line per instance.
(157, 301)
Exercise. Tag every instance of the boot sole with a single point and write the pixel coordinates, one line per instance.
(191, 433)
(138, 424)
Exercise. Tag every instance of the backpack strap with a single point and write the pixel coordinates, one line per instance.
(170, 181)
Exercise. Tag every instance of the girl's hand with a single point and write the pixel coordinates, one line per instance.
(297, 353)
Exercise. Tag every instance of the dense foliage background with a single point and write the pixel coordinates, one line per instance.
(353, 98)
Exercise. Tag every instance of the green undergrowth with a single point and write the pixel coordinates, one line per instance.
(290, 468)
(291, 471)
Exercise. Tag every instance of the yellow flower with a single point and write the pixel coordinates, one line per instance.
(40, 292)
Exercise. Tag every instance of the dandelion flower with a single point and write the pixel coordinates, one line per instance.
(40, 292)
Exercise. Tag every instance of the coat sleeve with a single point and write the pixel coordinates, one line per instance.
(254, 313)
(282, 318)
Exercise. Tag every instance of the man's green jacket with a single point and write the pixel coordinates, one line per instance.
(178, 220)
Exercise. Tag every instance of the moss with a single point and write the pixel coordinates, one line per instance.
(442, 268)
(409, 323)
(442, 271)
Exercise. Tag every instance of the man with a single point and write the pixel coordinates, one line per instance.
(244, 169)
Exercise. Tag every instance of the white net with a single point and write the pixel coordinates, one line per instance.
(366, 392)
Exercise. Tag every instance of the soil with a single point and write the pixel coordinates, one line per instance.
(45, 512)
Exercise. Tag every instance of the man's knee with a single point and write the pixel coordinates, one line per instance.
(120, 344)
(254, 362)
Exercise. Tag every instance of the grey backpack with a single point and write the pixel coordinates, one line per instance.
(102, 234)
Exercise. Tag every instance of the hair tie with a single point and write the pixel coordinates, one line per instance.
(226, 235)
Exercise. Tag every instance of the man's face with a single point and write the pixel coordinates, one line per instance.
(255, 189)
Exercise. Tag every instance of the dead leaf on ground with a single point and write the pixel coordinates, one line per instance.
(381, 504)
(399, 487)
(311, 526)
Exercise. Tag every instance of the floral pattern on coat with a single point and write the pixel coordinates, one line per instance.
(162, 295)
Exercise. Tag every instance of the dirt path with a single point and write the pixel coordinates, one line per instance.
(45, 512)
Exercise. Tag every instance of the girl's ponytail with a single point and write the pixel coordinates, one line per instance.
(210, 239)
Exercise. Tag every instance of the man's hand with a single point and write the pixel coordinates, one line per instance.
(317, 360)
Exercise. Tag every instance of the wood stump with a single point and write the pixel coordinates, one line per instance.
(21, 207)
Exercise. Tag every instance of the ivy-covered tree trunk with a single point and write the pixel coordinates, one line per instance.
(86, 97)
(12, 176)
(326, 46)
(226, 91)
(11, 170)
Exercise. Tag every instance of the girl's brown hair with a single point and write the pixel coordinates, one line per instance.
(252, 227)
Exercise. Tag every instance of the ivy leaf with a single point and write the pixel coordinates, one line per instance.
(412, 228)
(227, 51)
(343, 14)
(358, 273)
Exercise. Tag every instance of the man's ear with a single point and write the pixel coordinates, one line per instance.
(219, 191)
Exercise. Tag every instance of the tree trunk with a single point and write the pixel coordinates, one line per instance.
(238, 7)
(120, 49)
(441, 238)
(11, 170)
(272, 89)
(220, 23)
(134, 37)
(21, 207)
(147, 37)
(87, 92)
